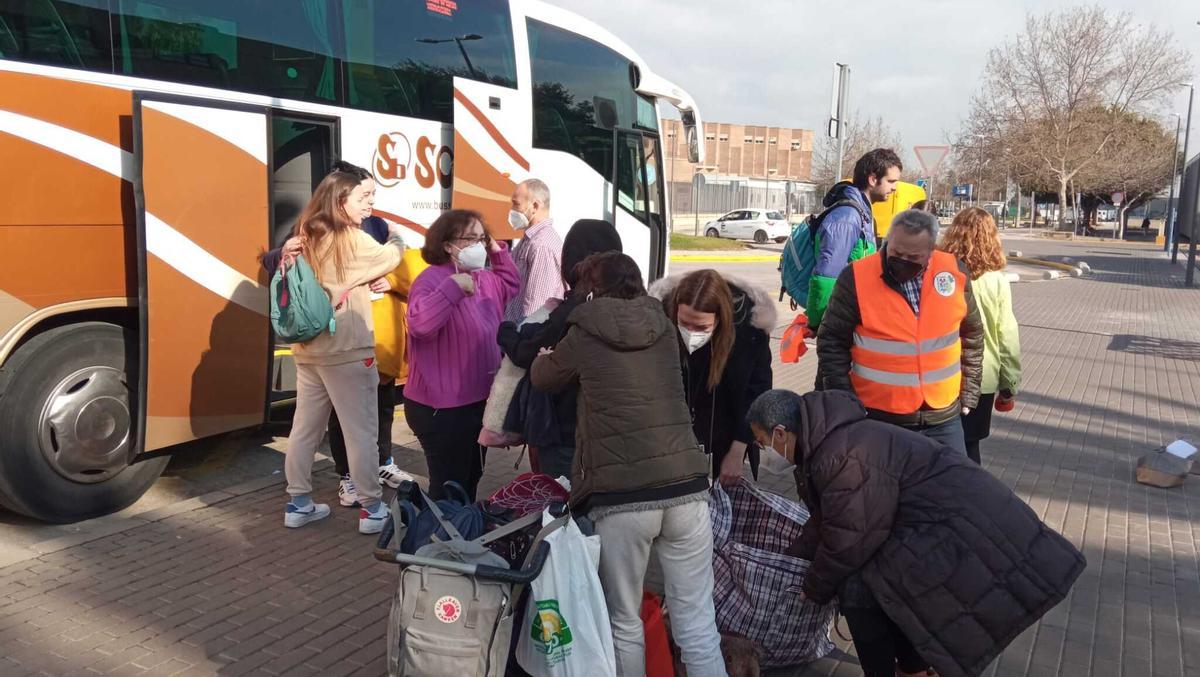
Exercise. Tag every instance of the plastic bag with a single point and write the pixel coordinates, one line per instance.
(566, 632)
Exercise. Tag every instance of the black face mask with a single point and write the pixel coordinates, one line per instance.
(902, 270)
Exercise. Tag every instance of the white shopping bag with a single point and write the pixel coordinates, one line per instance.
(566, 631)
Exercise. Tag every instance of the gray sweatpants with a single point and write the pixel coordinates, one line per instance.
(681, 537)
(350, 389)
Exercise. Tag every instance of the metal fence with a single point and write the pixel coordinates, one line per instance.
(708, 197)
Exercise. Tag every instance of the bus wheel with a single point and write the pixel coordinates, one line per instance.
(66, 423)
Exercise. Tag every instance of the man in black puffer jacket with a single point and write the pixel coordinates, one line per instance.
(930, 556)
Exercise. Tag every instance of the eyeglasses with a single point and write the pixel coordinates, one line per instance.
(472, 239)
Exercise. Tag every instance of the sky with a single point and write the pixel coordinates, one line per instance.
(915, 63)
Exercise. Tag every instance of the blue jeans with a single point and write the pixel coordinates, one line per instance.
(949, 433)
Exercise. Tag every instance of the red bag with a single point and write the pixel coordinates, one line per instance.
(659, 661)
(792, 347)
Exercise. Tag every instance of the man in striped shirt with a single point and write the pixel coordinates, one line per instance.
(539, 253)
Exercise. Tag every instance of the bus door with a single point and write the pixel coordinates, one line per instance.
(493, 132)
(638, 195)
(204, 216)
(303, 148)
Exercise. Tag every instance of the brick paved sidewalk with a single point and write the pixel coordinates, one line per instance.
(1112, 366)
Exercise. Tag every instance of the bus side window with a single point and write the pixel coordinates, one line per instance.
(231, 44)
(402, 57)
(571, 76)
(72, 33)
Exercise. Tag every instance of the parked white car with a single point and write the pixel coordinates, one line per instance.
(750, 224)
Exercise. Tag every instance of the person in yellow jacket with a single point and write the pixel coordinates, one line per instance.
(389, 306)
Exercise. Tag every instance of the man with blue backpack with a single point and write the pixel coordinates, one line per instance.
(844, 232)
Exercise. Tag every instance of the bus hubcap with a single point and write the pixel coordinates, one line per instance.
(85, 425)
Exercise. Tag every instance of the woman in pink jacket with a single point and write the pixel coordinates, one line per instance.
(455, 309)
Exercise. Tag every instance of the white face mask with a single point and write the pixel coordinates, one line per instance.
(517, 220)
(472, 258)
(695, 340)
(774, 461)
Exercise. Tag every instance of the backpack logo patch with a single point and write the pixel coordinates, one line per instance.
(447, 609)
(550, 633)
(943, 283)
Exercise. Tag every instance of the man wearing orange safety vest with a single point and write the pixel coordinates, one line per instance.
(902, 332)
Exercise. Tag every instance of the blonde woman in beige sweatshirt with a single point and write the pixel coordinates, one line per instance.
(338, 369)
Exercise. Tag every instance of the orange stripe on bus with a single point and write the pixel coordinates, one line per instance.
(197, 339)
(491, 130)
(101, 112)
(182, 161)
(470, 166)
(62, 227)
(396, 218)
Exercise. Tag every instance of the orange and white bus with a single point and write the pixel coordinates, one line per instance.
(150, 150)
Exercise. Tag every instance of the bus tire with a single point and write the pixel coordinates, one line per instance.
(66, 423)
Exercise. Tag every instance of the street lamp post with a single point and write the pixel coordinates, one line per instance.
(980, 188)
(696, 196)
(1187, 137)
(458, 40)
(767, 191)
(1170, 226)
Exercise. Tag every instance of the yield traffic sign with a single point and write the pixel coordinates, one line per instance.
(931, 157)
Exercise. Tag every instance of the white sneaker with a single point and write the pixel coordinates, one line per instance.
(347, 492)
(372, 522)
(294, 517)
(392, 475)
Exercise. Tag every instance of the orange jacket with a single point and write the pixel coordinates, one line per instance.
(902, 362)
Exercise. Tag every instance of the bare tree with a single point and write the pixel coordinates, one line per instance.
(1136, 162)
(862, 135)
(1056, 96)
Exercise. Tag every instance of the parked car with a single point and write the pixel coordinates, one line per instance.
(750, 224)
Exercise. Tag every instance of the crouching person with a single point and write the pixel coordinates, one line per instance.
(933, 560)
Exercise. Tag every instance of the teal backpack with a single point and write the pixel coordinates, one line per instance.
(300, 307)
(800, 254)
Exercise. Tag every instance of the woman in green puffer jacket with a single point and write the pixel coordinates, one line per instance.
(974, 239)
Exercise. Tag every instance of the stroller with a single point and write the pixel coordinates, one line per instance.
(456, 599)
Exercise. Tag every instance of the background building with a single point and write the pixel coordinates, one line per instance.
(746, 166)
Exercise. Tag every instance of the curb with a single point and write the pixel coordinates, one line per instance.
(1064, 267)
(736, 258)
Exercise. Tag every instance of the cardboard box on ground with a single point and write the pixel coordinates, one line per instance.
(1168, 466)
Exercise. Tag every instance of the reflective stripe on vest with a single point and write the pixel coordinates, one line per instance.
(906, 347)
(902, 361)
(910, 380)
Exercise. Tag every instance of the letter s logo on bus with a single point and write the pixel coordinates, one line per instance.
(393, 155)
(433, 162)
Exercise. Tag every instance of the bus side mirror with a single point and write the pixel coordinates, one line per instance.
(691, 135)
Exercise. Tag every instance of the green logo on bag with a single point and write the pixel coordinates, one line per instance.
(550, 633)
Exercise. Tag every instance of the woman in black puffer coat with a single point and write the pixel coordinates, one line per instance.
(932, 559)
(725, 330)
